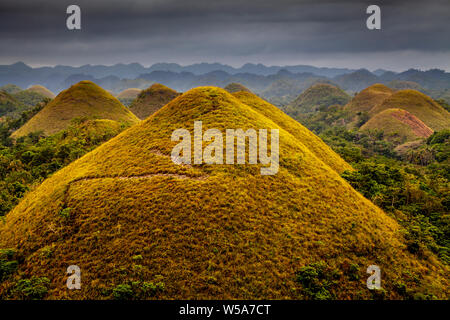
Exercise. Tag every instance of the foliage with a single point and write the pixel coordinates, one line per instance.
(317, 280)
(8, 264)
(35, 288)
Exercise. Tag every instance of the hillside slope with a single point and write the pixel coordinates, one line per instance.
(152, 99)
(420, 105)
(82, 100)
(311, 141)
(132, 220)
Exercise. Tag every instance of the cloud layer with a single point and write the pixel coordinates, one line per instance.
(333, 33)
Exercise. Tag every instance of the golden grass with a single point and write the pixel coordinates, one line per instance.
(82, 100)
(152, 99)
(220, 231)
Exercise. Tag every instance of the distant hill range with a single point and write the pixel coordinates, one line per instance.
(268, 81)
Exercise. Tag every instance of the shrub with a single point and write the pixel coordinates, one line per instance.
(35, 288)
(317, 280)
(123, 292)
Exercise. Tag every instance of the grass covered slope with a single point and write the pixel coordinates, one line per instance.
(319, 96)
(82, 100)
(369, 98)
(418, 104)
(132, 220)
(398, 125)
(152, 99)
(311, 141)
(42, 90)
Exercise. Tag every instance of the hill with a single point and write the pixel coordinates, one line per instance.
(236, 87)
(368, 98)
(42, 90)
(418, 104)
(140, 226)
(127, 96)
(398, 125)
(318, 97)
(82, 100)
(130, 93)
(152, 99)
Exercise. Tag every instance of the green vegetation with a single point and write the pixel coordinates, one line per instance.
(9, 105)
(212, 231)
(29, 98)
(11, 88)
(35, 288)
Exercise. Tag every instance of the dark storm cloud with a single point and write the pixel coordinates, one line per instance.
(274, 32)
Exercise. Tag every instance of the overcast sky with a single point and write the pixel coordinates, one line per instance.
(414, 34)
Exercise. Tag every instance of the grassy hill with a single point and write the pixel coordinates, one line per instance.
(398, 126)
(152, 99)
(42, 90)
(236, 87)
(317, 97)
(418, 104)
(140, 226)
(130, 93)
(127, 96)
(368, 98)
(82, 100)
